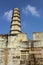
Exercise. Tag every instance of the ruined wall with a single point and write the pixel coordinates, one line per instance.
(18, 49)
(38, 36)
(3, 45)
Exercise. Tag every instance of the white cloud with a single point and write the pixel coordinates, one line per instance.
(32, 10)
(7, 15)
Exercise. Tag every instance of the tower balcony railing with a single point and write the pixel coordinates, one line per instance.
(15, 23)
(15, 19)
(15, 28)
(19, 21)
(15, 31)
(16, 11)
(16, 15)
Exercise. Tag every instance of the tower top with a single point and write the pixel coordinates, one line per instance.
(16, 8)
(15, 27)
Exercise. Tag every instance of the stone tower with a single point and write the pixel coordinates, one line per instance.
(15, 23)
(17, 49)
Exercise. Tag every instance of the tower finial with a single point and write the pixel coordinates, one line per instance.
(15, 27)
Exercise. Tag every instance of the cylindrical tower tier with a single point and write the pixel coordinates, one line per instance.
(15, 27)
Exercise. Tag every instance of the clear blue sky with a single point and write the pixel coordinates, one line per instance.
(31, 15)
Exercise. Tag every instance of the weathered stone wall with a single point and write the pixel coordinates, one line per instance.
(3, 41)
(16, 44)
(38, 36)
(19, 50)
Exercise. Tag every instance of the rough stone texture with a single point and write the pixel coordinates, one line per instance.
(11, 49)
(16, 49)
(19, 50)
(38, 36)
